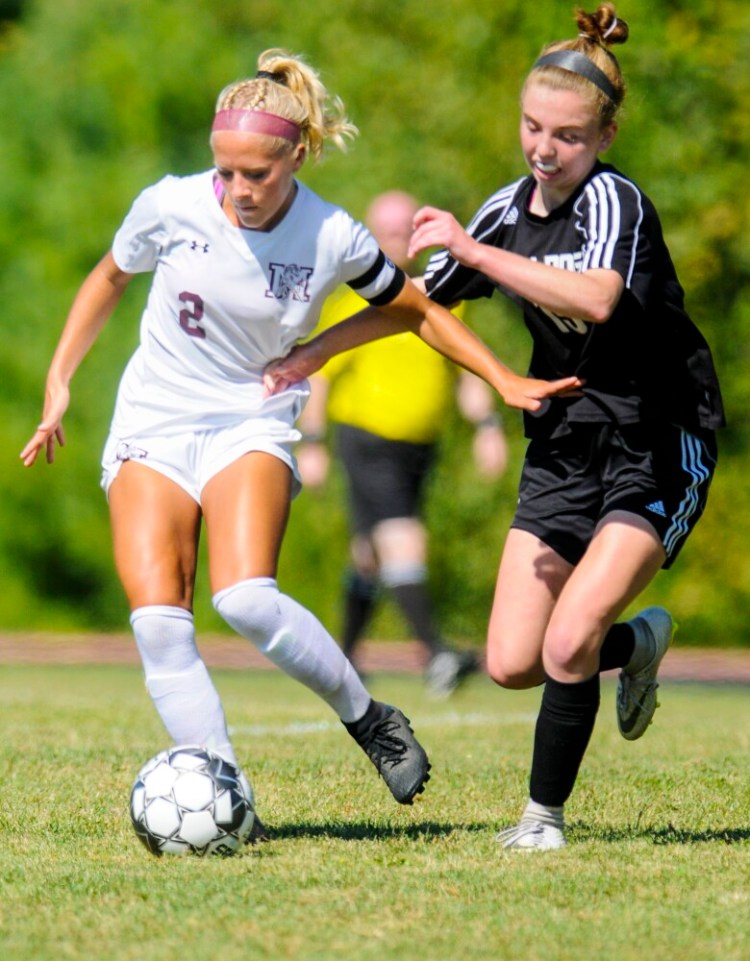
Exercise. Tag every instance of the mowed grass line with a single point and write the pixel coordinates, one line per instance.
(657, 865)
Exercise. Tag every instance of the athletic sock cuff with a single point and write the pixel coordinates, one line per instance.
(250, 582)
(545, 814)
(160, 610)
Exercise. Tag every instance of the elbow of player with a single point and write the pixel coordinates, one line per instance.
(600, 309)
(603, 297)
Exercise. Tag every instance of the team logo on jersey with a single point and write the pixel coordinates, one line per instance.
(566, 261)
(126, 451)
(511, 217)
(289, 282)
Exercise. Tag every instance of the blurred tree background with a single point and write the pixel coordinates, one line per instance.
(100, 99)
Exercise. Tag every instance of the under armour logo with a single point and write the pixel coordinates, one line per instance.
(197, 245)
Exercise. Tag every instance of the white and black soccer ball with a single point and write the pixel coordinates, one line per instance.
(188, 800)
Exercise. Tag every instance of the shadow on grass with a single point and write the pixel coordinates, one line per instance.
(368, 831)
(665, 835)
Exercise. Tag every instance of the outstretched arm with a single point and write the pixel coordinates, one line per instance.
(95, 301)
(438, 327)
(591, 296)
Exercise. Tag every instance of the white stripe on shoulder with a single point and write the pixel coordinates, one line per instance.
(604, 196)
(489, 216)
(492, 212)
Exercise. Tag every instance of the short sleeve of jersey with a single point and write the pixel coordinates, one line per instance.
(138, 241)
(622, 232)
(382, 281)
(609, 216)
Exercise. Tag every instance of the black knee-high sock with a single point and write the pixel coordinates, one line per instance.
(360, 596)
(617, 648)
(416, 607)
(563, 729)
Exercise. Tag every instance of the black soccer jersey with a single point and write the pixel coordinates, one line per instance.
(649, 360)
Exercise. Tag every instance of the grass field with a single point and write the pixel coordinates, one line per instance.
(658, 864)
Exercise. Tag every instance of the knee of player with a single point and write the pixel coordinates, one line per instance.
(251, 607)
(507, 671)
(566, 651)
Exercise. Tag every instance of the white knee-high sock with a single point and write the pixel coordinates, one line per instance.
(295, 640)
(177, 680)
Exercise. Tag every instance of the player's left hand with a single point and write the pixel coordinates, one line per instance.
(533, 395)
(284, 372)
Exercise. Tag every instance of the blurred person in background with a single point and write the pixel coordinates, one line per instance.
(390, 401)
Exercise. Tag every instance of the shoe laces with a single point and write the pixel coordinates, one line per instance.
(625, 696)
(382, 744)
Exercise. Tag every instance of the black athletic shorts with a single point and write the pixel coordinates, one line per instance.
(652, 469)
(385, 477)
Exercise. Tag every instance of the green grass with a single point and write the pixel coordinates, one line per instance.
(657, 865)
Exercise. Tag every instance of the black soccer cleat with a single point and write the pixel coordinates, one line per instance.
(258, 833)
(386, 737)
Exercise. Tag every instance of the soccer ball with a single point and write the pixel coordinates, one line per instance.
(188, 800)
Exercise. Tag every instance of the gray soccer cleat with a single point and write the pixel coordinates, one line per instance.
(399, 758)
(636, 690)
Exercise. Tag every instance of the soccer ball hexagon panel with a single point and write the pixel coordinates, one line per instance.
(188, 800)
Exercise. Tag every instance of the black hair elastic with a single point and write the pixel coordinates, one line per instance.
(270, 75)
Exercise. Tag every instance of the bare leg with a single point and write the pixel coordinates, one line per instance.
(246, 508)
(624, 556)
(155, 528)
(529, 582)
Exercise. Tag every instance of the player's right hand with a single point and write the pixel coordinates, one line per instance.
(50, 431)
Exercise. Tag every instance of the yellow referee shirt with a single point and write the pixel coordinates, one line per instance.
(396, 387)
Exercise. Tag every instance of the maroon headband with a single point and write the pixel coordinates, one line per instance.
(256, 121)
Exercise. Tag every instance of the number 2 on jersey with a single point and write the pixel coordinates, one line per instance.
(190, 317)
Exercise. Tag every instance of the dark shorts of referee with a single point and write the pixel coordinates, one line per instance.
(654, 469)
(386, 478)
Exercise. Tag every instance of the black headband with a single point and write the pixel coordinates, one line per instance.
(578, 63)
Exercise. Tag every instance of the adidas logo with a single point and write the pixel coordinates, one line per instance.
(511, 217)
(657, 508)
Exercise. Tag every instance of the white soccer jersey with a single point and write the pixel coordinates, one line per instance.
(224, 301)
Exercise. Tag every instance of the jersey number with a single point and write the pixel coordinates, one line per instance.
(191, 315)
(566, 324)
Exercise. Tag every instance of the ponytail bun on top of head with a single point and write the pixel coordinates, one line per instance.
(585, 64)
